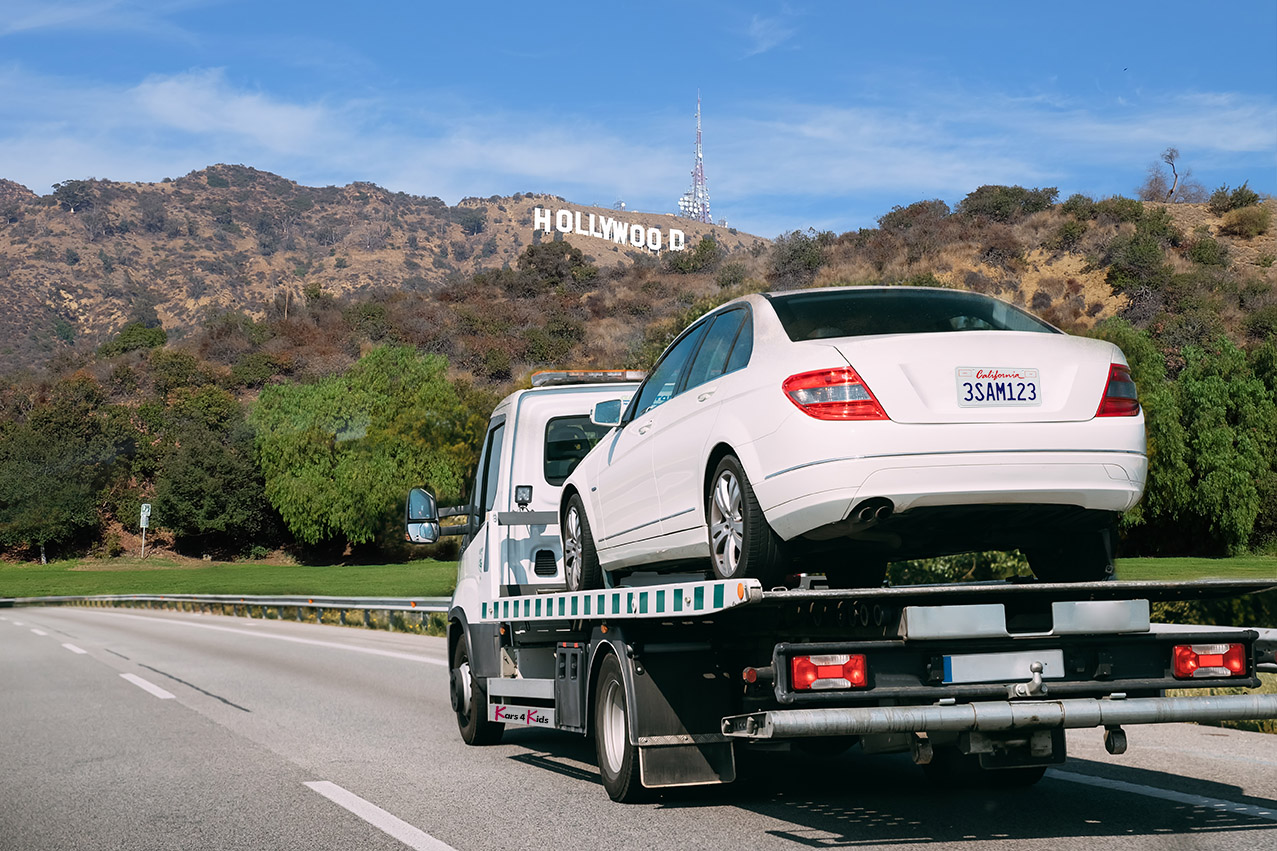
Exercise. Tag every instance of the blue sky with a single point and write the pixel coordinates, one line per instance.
(820, 115)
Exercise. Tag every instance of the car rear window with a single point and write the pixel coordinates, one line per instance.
(819, 314)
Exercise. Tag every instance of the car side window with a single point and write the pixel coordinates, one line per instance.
(744, 345)
(662, 383)
(711, 360)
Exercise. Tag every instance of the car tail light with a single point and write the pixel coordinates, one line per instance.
(814, 673)
(1209, 660)
(1120, 398)
(833, 394)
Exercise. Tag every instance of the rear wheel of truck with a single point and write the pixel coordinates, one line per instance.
(581, 570)
(470, 702)
(741, 542)
(618, 759)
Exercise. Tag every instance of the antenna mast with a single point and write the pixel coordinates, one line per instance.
(695, 202)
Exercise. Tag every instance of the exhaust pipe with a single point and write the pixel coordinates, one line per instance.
(873, 511)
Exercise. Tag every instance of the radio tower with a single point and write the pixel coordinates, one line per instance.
(695, 202)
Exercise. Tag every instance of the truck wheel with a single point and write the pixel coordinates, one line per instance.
(581, 568)
(1086, 557)
(470, 702)
(618, 759)
(740, 541)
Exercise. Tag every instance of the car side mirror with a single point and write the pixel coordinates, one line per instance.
(421, 517)
(607, 413)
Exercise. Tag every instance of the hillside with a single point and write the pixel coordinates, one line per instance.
(77, 264)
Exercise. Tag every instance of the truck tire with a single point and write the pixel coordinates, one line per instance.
(741, 542)
(1084, 557)
(470, 701)
(618, 758)
(581, 570)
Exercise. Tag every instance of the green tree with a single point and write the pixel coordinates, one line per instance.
(1007, 203)
(133, 336)
(339, 455)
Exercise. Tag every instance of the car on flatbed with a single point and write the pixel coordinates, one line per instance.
(861, 425)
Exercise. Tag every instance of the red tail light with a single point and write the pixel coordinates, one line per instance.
(833, 394)
(1120, 398)
(1209, 660)
(815, 673)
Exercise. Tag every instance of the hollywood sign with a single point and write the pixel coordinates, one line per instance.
(606, 227)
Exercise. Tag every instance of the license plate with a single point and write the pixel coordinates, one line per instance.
(991, 387)
(1002, 667)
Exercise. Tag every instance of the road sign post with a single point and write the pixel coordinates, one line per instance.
(144, 522)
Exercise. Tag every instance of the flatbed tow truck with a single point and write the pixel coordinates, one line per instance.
(672, 674)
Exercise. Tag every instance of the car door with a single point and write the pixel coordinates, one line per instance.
(628, 508)
(683, 428)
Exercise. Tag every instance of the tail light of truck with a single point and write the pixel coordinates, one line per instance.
(833, 394)
(816, 673)
(1120, 398)
(1209, 660)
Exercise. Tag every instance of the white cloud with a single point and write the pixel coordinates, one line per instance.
(139, 16)
(766, 33)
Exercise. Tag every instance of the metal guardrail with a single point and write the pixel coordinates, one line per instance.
(305, 608)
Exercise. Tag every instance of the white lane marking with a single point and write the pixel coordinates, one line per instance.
(411, 657)
(394, 826)
(39, 631)
(17, 623)
(148, 686)
(74, 649)
(1268, 813)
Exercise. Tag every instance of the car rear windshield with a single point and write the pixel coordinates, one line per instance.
(818, 314)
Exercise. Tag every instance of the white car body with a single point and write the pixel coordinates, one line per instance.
(948, 473)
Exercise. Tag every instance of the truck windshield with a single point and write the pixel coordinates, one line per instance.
(567, 441)
(820, 314)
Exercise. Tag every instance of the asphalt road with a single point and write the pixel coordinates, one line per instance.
(233, 733)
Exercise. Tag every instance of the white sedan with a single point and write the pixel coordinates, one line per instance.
(834, 430)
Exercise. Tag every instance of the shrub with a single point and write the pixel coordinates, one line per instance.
(1079, 206)
(731, 274)
(1007, 203)
(706, 256)
(1067, 236)
(1119, 209)
(1247, 222)
(1208, 252)
(133, 336)
(1223, 201)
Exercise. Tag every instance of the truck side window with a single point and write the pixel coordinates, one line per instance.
(567, 441)
(492, 467)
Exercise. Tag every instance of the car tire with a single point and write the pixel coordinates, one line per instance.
(1084, 557)
(618, 758)
(581, 570)
(470, 702)
(742, 544)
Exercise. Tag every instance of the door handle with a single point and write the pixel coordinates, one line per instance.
(643, 428)
(705, 394)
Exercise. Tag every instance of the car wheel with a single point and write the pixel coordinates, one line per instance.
(740, 541)
(581, 568)
(618, 758)
(470, 702)
(1086, 557)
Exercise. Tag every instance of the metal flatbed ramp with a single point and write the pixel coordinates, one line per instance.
(680, 599)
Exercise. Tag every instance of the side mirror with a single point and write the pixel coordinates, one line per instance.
(421, 517)
(607, 413)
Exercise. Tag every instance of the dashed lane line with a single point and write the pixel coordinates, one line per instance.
(1267, 813)
(39, 631)
(147, 685)
(391, 825)
(74, 649)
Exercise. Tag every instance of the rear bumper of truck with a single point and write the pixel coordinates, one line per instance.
(997, 716)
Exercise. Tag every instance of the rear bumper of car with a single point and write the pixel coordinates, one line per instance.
(814, 494)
